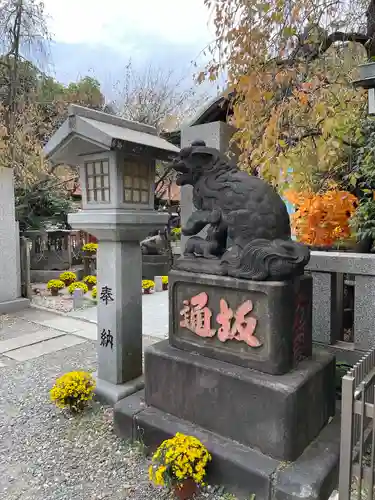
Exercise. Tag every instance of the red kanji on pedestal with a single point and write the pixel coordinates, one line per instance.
(241, 328)
(197, 316)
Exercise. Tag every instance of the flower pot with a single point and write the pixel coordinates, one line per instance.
(90, 286)
(68, 282)
(54, 292)
(186, 490)
(91, 255)
(165, 286)
(147, 291)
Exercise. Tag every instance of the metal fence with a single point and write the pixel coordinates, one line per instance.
(357, 448)
(56, 250)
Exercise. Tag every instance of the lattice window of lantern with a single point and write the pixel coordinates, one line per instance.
(97, 181)
(136, 183)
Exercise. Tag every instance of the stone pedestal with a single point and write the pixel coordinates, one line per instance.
(155, 265)
(279, 324)
(277, 415)
(238, 372)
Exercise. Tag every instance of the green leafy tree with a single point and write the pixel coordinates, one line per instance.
(41, 202)
(360, 177)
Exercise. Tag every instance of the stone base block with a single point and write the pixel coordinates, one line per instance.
(155, 265)
(242, 470)
(109, 394)
(279, 415)
(13, 306)
(43, 276)
(264, 325)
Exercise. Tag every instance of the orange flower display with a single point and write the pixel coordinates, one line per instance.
(322, 219)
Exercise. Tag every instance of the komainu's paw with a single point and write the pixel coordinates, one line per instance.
(215, 216)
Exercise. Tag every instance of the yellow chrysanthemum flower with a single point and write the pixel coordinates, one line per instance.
(73, 390)
(178, 459)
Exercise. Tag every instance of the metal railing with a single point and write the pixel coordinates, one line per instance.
(357, 447)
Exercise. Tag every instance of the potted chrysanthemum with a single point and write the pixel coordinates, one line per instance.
(78, 285)
(90, 281)
(68, 277)
(164, 281)
(73, 391)
(54, 286)
(180, 465)
(90, 249)
(148, 286)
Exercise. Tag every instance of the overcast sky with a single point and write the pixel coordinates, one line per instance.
(98, 38)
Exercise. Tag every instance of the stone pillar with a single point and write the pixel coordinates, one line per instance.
(119, 311)
(10, 300)
(119, 288)
(216, 135)
(364, 300)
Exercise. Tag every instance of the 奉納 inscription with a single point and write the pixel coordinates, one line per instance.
(106, 295)
(106, 338)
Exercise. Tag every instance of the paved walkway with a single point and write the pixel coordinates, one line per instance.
(154, 311)
(34, 332)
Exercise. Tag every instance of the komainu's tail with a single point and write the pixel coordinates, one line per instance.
(262, 260)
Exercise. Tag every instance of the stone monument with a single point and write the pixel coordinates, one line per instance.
(10, 265)
(238, 370)
(116, 160)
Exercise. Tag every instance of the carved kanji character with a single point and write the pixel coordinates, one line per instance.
(241, 328)
(106, 338)
(196, 316)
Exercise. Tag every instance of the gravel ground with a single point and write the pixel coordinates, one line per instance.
(63, 302)
(48, 455)
(12, 327)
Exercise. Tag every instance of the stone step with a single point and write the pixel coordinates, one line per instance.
(243, 470)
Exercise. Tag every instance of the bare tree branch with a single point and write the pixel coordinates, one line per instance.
(155, 96)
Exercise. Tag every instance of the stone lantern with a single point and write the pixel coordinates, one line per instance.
(367, 81)
(116, 160)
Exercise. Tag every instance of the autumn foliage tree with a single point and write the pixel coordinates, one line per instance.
(290, 67)
(322, 219)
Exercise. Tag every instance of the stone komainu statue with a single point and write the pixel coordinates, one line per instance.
(248, 223)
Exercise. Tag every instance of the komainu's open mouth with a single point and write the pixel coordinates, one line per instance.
(182, 178)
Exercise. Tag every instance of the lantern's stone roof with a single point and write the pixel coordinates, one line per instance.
(87, 131)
